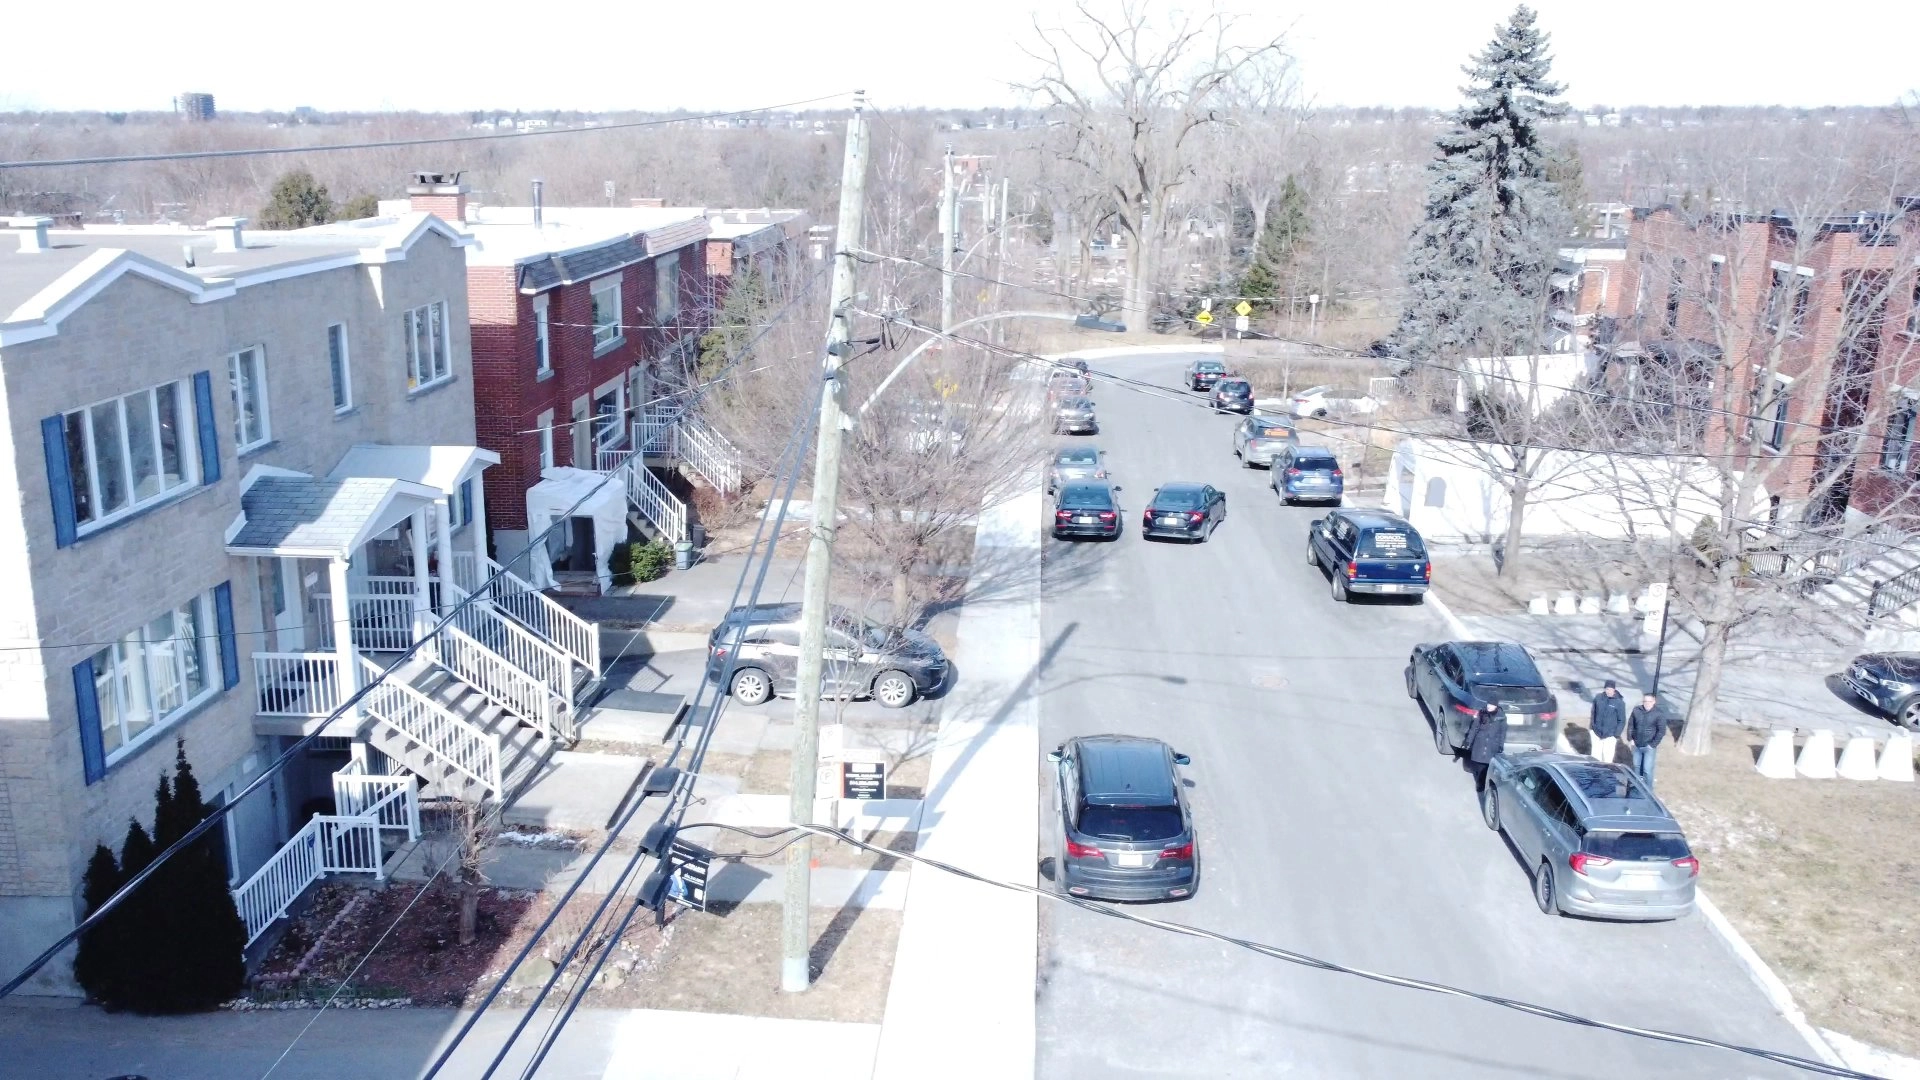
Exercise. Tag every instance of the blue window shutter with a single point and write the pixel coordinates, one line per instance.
(88, 708)
(229, 646)
(53, 435)
(209, 433)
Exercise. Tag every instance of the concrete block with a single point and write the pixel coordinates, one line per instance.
(1857, 759)
(1619, 603)
(1566, 604)
(1589, 605)
(1776, 757)
(1896, 760)
(1539, 605)
(1816, 757)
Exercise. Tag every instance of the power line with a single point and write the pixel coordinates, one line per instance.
(265, 151)
(1291, 956)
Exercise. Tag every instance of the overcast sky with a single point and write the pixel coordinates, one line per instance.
(660, 54)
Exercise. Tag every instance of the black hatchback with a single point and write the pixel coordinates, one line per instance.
(1184, 512)
(1127, 833)
(1232, 395)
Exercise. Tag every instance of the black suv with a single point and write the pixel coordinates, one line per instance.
(1232, 394)
(892, 665)
(1127, 833)
(1454, 680)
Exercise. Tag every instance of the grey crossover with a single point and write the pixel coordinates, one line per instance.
(1074, 416)
(1126, 828)
(889, 664)
(1257, 440)
(1075, 464)
(1596, 840)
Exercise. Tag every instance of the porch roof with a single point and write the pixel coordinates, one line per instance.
(438, 467)
(292, 515)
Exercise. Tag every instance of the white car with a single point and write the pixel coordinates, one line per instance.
(1328, 401)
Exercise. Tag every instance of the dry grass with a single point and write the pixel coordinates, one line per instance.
(1820, 877)
(728, 961)
(1471, 584)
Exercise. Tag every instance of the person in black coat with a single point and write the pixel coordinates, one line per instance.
(1646, 726)
(1486, 741)
(1608, 719)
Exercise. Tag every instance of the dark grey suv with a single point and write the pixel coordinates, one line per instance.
(863, 659)
(1127, 833)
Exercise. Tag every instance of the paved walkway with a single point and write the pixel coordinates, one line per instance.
(961, 1001)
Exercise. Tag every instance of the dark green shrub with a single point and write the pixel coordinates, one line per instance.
(650, 561)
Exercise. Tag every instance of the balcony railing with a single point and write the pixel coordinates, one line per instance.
(297, 684)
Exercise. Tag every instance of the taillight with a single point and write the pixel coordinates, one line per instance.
(1353, 569)
(719, 652)
(1337, 474)
(1184, 851)
(1195, 516)
(1580, 860)
(1465, 710)
(1549, 716)
(1426, 571)
(1106, 515)
(1293, 472)
(1061, 515)
(1690, 864)
(1146, 518)
(1083, 851)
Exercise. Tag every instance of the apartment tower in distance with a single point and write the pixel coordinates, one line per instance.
(194, 105)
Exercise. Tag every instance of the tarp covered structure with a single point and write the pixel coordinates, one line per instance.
(559, 489)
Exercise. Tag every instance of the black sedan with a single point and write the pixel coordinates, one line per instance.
(1454, 680)
(1184, 512)
(1890, 682)
(1087, 509)
(1202, 374)
(1233, 395)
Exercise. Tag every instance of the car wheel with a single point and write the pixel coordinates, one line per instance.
(751, 686)
(1313, 556)
(1319, 414)
(1490, 807)
(1543, 890)
(1910, 713)
(1440, 740)
(894, 689)
(1339, 588)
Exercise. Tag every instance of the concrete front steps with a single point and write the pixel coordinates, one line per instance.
(524, 752)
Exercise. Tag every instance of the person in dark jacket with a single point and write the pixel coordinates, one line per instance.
(1486, 741)
(1646, 726)
(1609, 717)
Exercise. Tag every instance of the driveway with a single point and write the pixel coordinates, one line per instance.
(1327, 824)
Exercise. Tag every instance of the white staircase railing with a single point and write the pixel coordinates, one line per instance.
(709, 453)
(327, 844)
(297, 684)
(541, 614)
(486, 671)
(391, 802)
(381, 615)
(467, 748)
(650, 496)
(527, 651)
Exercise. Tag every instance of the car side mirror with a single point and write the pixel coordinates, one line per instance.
(1055, 756)
(1117, 487)
(1182, 759)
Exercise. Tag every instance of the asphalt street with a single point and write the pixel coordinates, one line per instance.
(1327, 824)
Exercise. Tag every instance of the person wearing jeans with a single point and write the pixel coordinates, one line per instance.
(1645, 728)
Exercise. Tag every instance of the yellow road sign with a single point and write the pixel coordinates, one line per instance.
(1203, 318)
(983, 296)
(1243, 308)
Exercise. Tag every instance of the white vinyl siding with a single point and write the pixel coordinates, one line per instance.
(429, 351)
(155, 673)
(606, 314)
(130, 452)
(247, 377)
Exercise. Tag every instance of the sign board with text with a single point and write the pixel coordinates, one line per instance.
(688, 865)
(863, 780)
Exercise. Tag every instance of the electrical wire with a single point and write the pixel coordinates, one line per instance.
(1291, 956)
(436, 140)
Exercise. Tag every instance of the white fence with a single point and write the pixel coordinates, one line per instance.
(327, 844)
(424, 721)
(381, 616)
(297, 684)
(390, 802)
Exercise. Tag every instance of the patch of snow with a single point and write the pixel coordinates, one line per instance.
(547, 839)
(1872, 1059)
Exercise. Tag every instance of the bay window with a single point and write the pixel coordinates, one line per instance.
(154, 673)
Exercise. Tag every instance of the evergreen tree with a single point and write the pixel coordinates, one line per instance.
(297, 201)
(1278, 245)
(129, 927)
(96, 964)
(1478, 265)
(200, 940)
(360, 206)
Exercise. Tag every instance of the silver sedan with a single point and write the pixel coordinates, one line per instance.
(1596, 840)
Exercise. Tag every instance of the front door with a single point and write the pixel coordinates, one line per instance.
(282, 604)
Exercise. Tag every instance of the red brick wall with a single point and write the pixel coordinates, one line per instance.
(449, 208)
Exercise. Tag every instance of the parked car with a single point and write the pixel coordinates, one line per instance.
(1074, 416)
(1454, 680)
(1597, 840)
(1232, 395)
(1890, 682)
(1258, 439)
(1328, 401)
(1369, 551)
(1202, 374)
(1087, 508)
(1075, 463)
(1062, 385)
(1308, 472)
(1126, 830)
(890, 664)
(1184, 511)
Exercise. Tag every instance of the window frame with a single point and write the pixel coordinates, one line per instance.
(615, 430)
(340, 367)
(607, 336)
(262, 408)
(112, 683)
(1716, 280)
(1800, 299)
(84, 467)
(666, 288)
(542, 336)
(429, 346)
(544, 446)
(1770, 415)
(1899, 461)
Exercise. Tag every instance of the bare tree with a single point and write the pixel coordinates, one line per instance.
(472, 826)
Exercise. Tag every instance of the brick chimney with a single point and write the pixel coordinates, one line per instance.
(439, 194)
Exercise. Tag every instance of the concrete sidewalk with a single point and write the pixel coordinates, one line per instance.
(961, 1000)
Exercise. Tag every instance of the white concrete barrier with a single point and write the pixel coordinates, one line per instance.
(1566, 604)
(1776, 757)
(1857, 759)
(1896, 761)
(1816, 757)
(1538, 606)
(1619, 603)
(1589, 605)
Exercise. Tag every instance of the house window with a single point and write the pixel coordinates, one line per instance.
(1674, 285)
(153, 674)
(1788, 298)
(1913, 313)
(542, 347)
(429, 352)
(666, 283)
(127, 453)
(609, 416)
(247, 376)
(460, 505)
(546, 441)
(1716, 277)
(1896, 453)
(337, 364)
(606, 314)
(1770, 420)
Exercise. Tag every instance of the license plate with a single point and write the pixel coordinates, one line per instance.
(1083, 520)
(1515, 719)
(1313, 479)
(1389, 588)
(1170, 520)
(1131, 858)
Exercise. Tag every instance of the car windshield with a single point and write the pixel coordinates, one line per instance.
(1232, 386)
(1075, 403)
(1131, 822)
(1085, 498)
(1079, 455)
(1391, 544)
(1177, 499)
(1637, 846)
(1604, 783)
(1210, 367)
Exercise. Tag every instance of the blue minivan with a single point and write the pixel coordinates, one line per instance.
(1369, 551)
(1302, 473)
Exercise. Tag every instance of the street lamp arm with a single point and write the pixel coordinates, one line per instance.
(933, 337)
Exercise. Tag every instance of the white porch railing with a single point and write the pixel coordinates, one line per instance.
(381, 617)
(297, 684)
(327, 844)
(466, 747)
(521, 647)
(540, 613)
(503, 684)
(392, 802)
(647, 493)
(709, 453)
(465, 570)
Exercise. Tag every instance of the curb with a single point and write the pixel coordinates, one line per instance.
(1777, 993)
